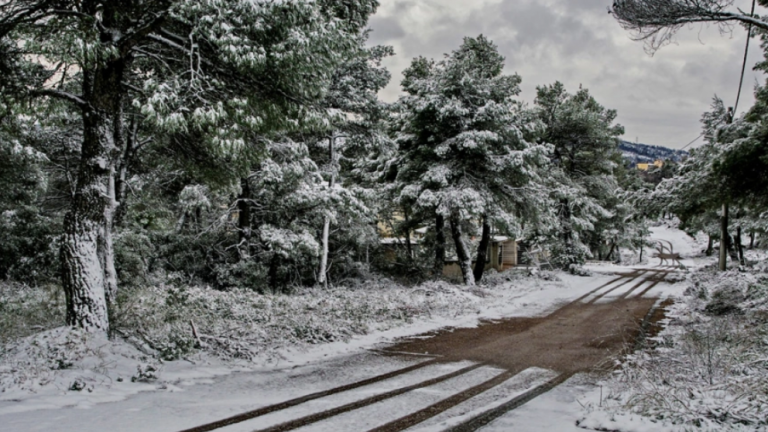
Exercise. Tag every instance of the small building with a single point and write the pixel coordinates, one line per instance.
(503, 255)
(648, 166)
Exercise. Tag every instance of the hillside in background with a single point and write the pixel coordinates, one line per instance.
(636, 152)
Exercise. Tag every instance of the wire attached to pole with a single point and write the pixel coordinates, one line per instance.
(744, 63)
(743, 71)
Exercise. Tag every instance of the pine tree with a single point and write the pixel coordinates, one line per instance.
(217, 70)
(581, 179)
(463, 153)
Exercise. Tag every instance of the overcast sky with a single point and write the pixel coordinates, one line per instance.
(659, 98)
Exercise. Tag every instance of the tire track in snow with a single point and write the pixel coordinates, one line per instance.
(314, 418)
(300, 400)
(654, 276)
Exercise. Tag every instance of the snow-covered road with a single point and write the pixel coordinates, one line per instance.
(364, 407)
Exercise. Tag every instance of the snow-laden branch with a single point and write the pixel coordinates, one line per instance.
(59, 94)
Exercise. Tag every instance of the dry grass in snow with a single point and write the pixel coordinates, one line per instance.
(164, 335)
(708, 370)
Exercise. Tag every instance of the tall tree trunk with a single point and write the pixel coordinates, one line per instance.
(739, 246)
(122, 172)
(462, 251)
(482, 250)
(567, 233)
(437, 271)
(723, 264)
(732, 251)
(322, 278)
(244, 219)
(610, 252)
(408, 244)
(87, 255)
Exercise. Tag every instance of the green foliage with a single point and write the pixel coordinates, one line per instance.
(28, 246)
(581, 180)
(26, 310)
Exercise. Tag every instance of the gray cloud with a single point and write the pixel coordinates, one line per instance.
(385, 29)
(659, 98)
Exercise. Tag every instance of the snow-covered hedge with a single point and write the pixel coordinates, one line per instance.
(202, 326)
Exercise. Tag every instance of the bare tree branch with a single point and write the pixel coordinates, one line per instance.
(656, 21)
(61, 95)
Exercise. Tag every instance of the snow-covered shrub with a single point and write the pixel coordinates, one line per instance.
(708, 367)
(578, 270)
(145, 373)
(25, 310)
(241, 323)
(66, 359)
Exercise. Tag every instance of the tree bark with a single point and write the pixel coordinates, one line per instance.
(437, 271)
(122, 172)
(87, 255)
(244, 219)
(739, 246)
(610, 252)
(462, 251)
(723, 264)
(710, 246)
(482, 250)
(732, 250)
(567, 233)
(322, 278)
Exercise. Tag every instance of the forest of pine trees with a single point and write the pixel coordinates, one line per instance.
(242, 144)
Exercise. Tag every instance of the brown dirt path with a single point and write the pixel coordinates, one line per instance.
(583, 335)
(574, 338)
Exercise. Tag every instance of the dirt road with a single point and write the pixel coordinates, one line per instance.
(506, 362)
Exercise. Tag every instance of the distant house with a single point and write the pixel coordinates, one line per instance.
(503, 252)
(647, 166)
(503, 255)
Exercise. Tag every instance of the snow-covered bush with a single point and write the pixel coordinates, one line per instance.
(25, 310)
(241, 323)
(708, 367)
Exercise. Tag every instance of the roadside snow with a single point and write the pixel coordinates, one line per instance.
(69, 368)
(707, 368)
(65, 368)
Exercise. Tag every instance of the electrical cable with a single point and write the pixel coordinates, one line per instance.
(743, 71)
(691, 143)
(744, 63)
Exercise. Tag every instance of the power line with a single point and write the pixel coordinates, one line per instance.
(691, 143)
(744, 63)
(743, 71)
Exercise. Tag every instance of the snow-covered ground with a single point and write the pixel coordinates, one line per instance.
(92, 390)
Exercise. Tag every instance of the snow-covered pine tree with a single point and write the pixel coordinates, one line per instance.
(354, 139)
(729, 169)
(581, 177)
(214, 68)
(462, 149)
